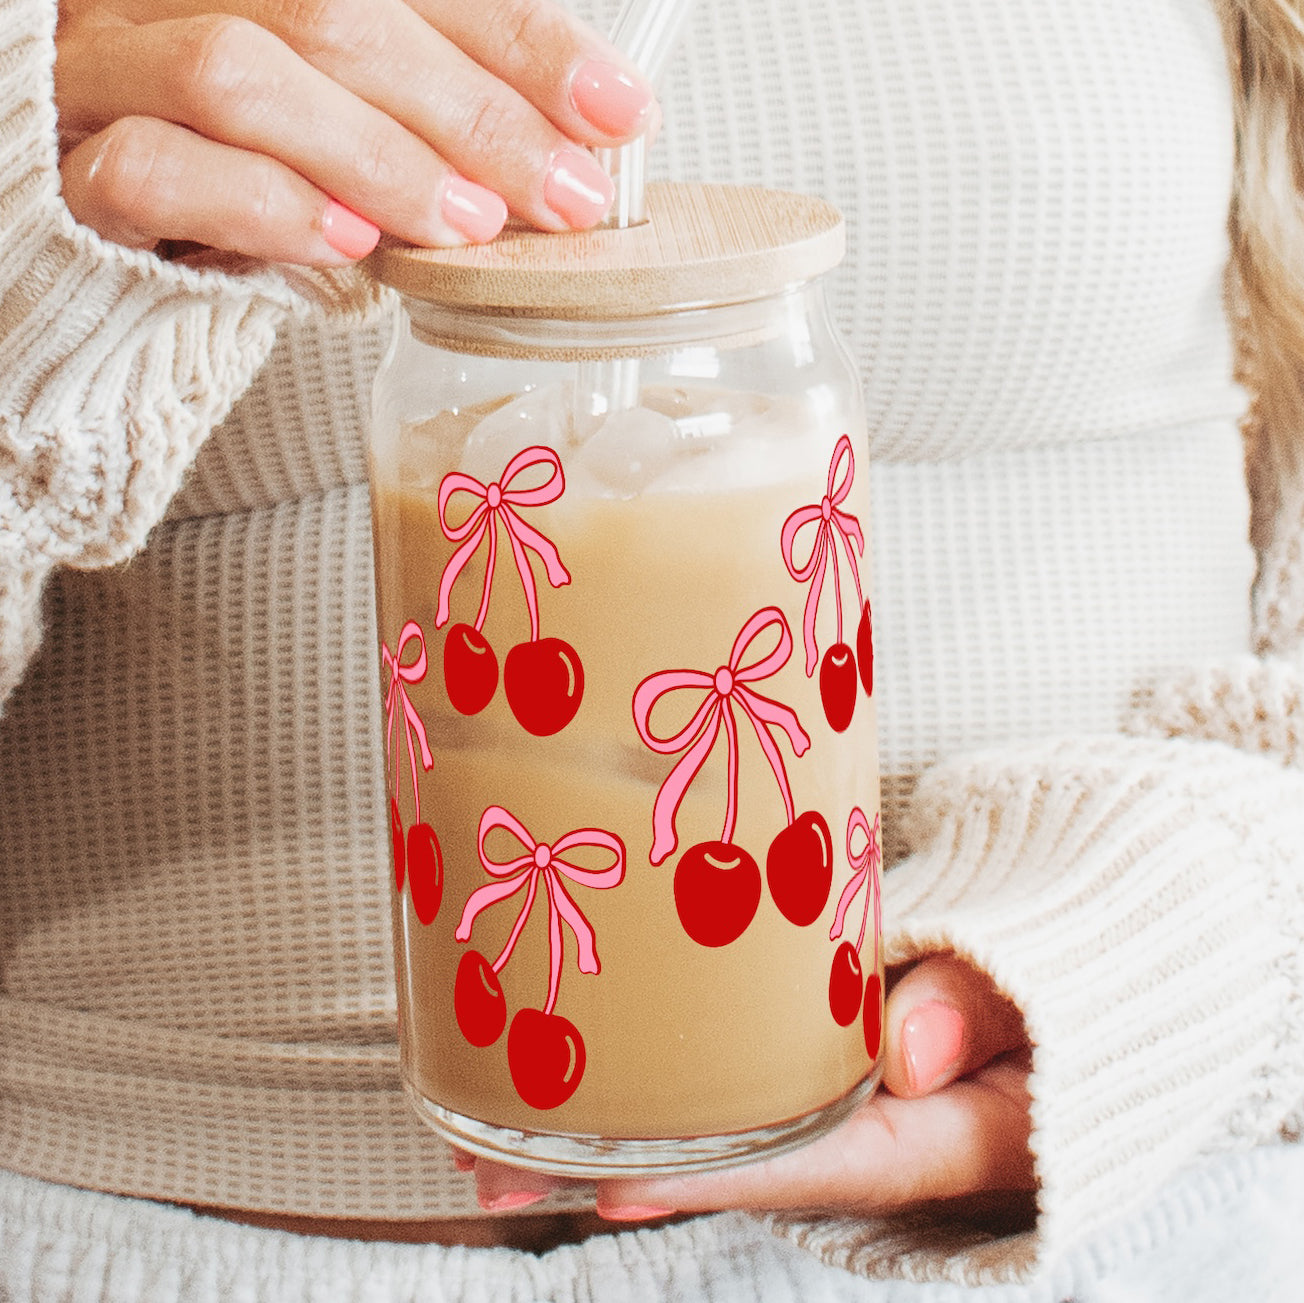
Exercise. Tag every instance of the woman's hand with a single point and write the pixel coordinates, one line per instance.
(951, 1120)
(297, 130)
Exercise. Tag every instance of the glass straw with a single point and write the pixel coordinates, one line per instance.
(647, 31)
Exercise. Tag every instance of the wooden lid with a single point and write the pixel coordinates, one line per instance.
(701, 246)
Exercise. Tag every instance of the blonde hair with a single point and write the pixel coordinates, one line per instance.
(1265, 41)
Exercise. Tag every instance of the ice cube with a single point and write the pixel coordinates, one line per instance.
(707, 412)
(628, 451)
(536, 418)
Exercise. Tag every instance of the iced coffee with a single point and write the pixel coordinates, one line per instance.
(650, 720)
(627, 671)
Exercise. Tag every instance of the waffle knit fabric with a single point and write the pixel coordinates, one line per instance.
(1090, 737)
(63, 1243)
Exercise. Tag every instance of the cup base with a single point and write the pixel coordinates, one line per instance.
(593, 1157)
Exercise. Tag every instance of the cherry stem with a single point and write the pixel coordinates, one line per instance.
(864, 914)
(530, 892)
(855, 568)
(832, 560)
(878, 914)
(556, 951)
(751, 703)
(526, 572)
(872, 887)
(731, 805)
(412, 761)
(489, 564)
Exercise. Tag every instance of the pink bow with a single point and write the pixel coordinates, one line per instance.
(396, 693)
(833, 525)
(866, 864)
(496, 505)
(724, 689)
(541, 861)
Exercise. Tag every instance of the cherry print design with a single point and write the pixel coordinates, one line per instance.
(717, 890)
(425, 872)
(865, 649)
(543, 678)
(832, 526)
(799, 868)
(718, 884)
(396, 837)
(478, 1000)
(418, 854)
(847, 996)
(545, 1051)
(470, 669)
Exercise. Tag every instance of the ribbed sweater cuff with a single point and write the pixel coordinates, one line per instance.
(1251, 703)
(115, 364)
(1142, 902)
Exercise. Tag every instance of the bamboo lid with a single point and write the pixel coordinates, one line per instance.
(702, 245)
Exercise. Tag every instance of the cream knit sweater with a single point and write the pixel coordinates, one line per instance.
(1091, 738)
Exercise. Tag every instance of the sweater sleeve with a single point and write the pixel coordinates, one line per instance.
(1142, 902)
(114, 364)
(1141, 899)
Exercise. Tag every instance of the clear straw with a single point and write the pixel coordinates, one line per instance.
(647, 31)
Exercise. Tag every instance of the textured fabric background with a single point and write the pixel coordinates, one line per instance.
(1229, 1233)
(194, 958)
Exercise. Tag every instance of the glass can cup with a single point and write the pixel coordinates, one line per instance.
(621, 509)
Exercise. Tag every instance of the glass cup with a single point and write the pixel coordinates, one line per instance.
(626, 658)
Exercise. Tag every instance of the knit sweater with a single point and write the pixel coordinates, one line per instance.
(1090, 733)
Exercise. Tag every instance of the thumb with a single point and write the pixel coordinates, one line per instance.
(944, 1019)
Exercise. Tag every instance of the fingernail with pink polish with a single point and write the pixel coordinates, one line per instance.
(931, 1038)
(509, 1199)
(611, 99)
(471, 210)
(348, 233)
(577, 189)
(632, 1212)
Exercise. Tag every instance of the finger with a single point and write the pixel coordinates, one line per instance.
(500, 1188)
(485, 126)
(567, 71)
(237, 84)
(581, 82)
(233, 74)
(944, 1018)
(890, 1154)
(141, 181)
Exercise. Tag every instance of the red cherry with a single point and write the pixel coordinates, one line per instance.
(799, 868)
(425, 871)
(865, 650)
(838, 685)
(873, 1020)
(544, 681)
(396, 838)
(845, 985)
(478, 1000)
(717, 890)
(545, 1054)
(470, 669)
